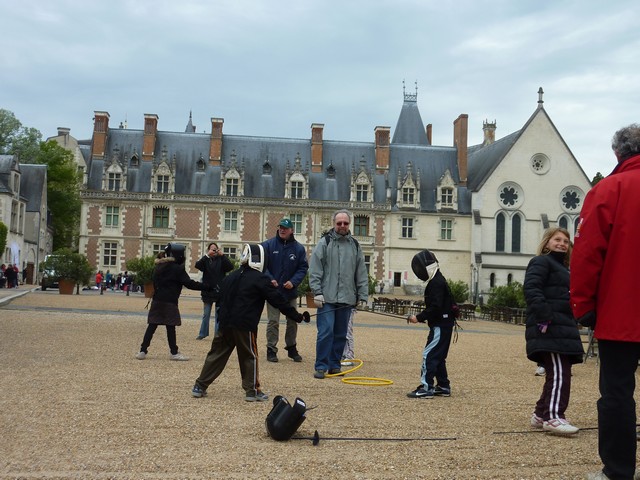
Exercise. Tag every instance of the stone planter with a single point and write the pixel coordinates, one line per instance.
(65, 287)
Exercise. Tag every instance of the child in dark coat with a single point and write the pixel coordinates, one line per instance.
(242, 297)
(438, 313)
(169, 276)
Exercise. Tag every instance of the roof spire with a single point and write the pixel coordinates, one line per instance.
(408, 97)
(540, 101)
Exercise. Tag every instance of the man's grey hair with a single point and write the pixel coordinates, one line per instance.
(626, 142)
(347, 212)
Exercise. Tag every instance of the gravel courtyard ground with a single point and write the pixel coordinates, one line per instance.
(75, 403)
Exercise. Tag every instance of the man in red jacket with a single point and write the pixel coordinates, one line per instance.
(604, 296)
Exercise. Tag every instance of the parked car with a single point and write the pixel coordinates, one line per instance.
(49, 277)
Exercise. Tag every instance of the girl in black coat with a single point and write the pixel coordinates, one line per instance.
(169, 276)
(552, 333)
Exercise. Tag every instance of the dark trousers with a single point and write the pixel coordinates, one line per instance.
(171, 338)
(434, 357)
(224, 343)
(557, 386)
(617, 408)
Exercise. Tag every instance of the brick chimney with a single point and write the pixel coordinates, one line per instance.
(489, 130)
(317, 130)
(429, 128)
(149, 137)
(215, 148)
(382, 135)
(100, 131)
(460, 132)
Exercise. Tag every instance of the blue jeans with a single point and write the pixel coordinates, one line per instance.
(332, 323)
(206, 317)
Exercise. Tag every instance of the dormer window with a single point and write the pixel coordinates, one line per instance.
(201, 165)
(297, 181)
(361, 184)
(408, 188)
(163, 179)
(113, 181)
(266, 168)
(135, 161)
(232, 187)
(362, 193)
(232, 179)
(447, 193)
(297, 189)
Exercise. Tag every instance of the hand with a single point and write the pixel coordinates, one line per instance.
(588, 320)
(412, 319)
(288, 285)
(318, 300)
(362, 305)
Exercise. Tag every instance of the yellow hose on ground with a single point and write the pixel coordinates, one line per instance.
(366, 381)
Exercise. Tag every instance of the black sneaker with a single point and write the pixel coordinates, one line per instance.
(421, 392)
(271, 356)
(442, 391)
(335, 371)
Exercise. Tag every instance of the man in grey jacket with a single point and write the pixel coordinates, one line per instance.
(339, 281)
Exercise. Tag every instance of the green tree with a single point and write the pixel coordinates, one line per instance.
(15, 139)
(511, 295)
(596, 179)
(3, 237)
(63, 193)
(459, 290)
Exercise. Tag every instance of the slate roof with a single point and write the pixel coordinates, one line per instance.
(8, 163)
(409, 146)
(32, 183)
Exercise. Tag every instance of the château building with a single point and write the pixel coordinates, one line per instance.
(482, 208)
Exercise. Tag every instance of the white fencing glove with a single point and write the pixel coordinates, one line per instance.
(318, 300)
(362, 305)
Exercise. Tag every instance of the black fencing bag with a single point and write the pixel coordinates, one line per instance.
(284, 419)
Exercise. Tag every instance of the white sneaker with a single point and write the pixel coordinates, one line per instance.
(559, 426)
(540, 372)
(597, 476)
(141, 355)
(536, 421)
(179, 357)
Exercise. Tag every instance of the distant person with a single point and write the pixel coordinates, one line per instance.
(242, 296)
(169, 276)
(604, 296)
(552, 335)
(214, 265)
(99, 280)
(438, 314)
(339, 281)
(12, 276)
(286, 267)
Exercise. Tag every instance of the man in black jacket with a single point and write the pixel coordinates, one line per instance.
(242, 297)
(214, 266)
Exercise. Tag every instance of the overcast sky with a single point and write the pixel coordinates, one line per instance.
(272, 68)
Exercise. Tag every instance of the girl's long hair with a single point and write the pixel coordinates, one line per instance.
(548, 234)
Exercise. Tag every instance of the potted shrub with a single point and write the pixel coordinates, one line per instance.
(305, 291)
(71, 268)
(142, 268)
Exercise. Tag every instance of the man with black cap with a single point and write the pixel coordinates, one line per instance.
(286, 267)
(438, 313)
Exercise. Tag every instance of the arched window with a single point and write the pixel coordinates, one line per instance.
(516, 225)
(500, 232)
(563, 223)
(509, 279)
(492, 280)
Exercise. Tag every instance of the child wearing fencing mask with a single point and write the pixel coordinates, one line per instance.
(440, 317)
(242, 296)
